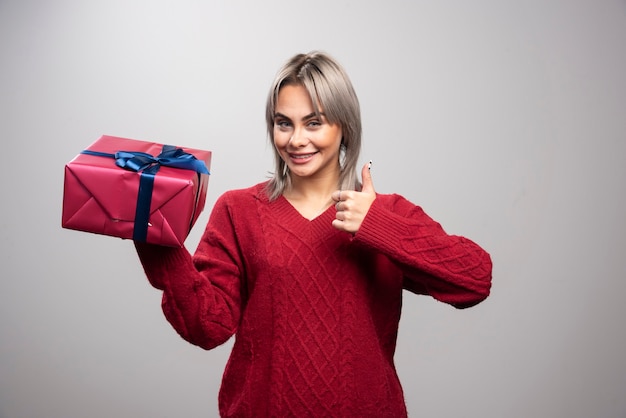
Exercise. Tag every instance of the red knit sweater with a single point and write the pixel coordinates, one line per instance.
(315, 310)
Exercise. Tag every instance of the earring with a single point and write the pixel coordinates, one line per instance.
(342, 156)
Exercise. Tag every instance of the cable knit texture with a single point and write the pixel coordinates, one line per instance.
(315, 310)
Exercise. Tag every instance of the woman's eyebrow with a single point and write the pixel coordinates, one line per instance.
(309, 116)
(278, 115)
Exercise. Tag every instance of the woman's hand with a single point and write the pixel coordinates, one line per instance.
(352, 206)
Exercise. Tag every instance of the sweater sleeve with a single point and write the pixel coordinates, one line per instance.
(450, 268)
(202, 294)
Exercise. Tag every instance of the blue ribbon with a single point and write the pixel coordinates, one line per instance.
(148, 166)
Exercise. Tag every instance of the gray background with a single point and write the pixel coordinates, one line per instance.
(505, 120)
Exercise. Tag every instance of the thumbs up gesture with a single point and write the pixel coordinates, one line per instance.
(352, 206)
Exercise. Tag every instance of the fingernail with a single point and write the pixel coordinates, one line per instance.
(369, 166)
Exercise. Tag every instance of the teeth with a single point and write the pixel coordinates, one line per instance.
(301, 156)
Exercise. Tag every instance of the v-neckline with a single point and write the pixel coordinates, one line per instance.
(288, 206)
(290, 218)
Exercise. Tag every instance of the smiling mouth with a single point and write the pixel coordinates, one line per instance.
(302, 156)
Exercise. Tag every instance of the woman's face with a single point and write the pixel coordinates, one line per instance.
(308, 144)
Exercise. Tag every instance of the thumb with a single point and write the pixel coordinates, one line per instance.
(366, 174)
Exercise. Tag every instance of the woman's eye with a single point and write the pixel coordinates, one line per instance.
(282, 124)
(315, 123)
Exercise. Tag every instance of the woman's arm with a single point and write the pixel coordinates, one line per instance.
(202, 294)
(450, 268)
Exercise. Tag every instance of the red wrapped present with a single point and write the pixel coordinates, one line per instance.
(136, 190)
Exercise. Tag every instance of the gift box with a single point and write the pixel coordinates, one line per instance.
(136, 190)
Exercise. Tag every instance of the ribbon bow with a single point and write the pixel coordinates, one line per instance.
(170, 156)
(148, 166)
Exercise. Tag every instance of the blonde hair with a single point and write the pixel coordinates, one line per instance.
(330, 88)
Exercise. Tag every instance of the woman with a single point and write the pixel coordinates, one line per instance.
(307, 269)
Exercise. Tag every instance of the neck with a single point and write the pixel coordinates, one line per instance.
(311, 196)
(319, 188)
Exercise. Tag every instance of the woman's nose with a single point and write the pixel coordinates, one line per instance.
(298, 139)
